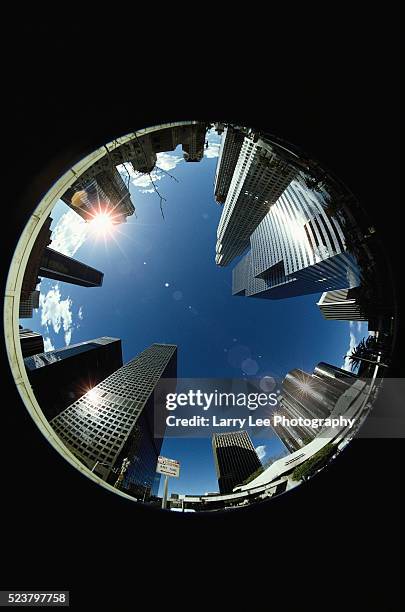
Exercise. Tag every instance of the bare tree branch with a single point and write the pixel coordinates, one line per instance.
(168, 173)
(161, 198)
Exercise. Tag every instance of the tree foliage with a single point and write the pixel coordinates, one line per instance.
(314, 463)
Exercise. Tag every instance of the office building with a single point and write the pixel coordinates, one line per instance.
(111, 428)
(309, 396)
(235, 459)
(29, 296)
(46, 262)
(259, 179)
(297, 249)
(28, 301)
(103, 186)
(193, 147)
(62, 268)
(231, 144)
(31, 342)
(60, 377)
(100, 191)
(341, 305)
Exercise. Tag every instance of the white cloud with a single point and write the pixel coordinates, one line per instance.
(48, 346)
(168, 162)
(144, 180)
(80, 313)
(353, 342)
(261, 452)
(69, 233)
(213, 150)
(165, 161)
(56, 312)
(357, 330)
(214, 143)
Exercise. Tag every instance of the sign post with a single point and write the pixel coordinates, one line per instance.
(165, 490)
(168, 467)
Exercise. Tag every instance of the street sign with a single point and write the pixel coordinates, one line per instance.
(169, 467)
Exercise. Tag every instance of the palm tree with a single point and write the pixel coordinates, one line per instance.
(357, 354)
(362, 353)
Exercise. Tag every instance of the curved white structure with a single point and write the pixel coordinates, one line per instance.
(13, 291)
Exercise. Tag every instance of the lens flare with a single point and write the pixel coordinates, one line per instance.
(101, 224)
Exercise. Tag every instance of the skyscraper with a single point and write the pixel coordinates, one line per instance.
(235, 459)
(100, 190)
(111, 428)
(31, 342)
(297, 249)
(309, 396)
(193, 147)
(259, 179)
(60, 267)
(231, 144)
(60, 377)
(341, 305)
(29, 297)
(28, 301)
(46, 262)
(102, 185)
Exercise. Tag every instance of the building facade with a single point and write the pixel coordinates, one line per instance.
(60, 377)
(105, 186)
(31, 342)
(101, 190)
(309, 396)
(229, 150)
(46, 262)
(62, 268)
(297, 249)
(111, 428)
(28, 301)
(341, 305)
(259, 179)
(29, 296)
(193, 148)
(235, 459)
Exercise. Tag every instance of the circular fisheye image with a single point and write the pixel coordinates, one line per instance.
(199, 316)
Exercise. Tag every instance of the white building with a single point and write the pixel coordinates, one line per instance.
(340, 305)
(297, 249)
(259, 179)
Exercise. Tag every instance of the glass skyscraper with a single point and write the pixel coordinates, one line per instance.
(111, 428)
(31, 342)
(341, 305)
(235, 459)
(62, 268)
(61, 376)
(309, 396)
(297, 249)
(259, 179)
(231, 144)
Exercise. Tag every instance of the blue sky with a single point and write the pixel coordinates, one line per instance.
(161, 284)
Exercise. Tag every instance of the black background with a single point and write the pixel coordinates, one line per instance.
(60, 531)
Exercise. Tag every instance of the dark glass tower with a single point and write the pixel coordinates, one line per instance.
(68, 270)
(235, 459)
(309, 396)
(60, 377)
(231, 145)
(31, 342)
(111, 428)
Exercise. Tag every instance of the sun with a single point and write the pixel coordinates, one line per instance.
(101, 224)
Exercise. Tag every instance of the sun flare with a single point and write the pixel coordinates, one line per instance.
(102, 224)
